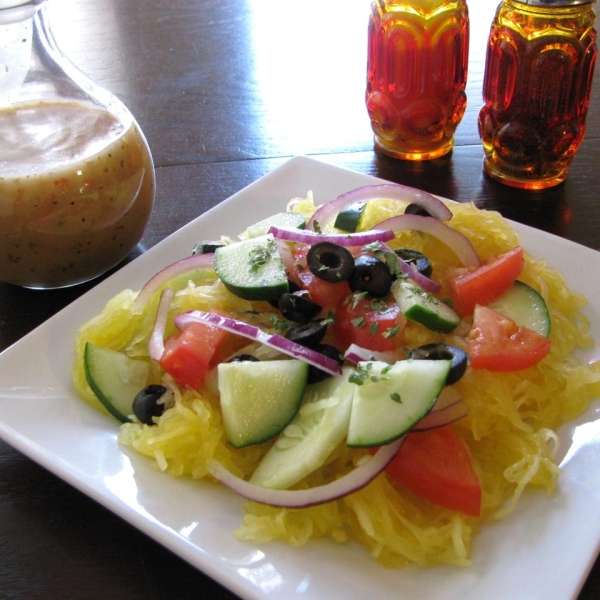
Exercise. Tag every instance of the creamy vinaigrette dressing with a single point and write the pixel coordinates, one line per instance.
(76, 191)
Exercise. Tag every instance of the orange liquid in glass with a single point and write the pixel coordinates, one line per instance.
(536, 91)
(416, 75)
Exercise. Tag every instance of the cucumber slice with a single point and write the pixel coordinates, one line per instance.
(115, 378)
(421, 307)
(320, 425)
(349, 218)
(525, 306)
(258, 399)
(282, 219)
(393, 398)
(252, 269)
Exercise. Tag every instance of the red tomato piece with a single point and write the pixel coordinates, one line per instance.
(486, 283)
(497, 343)
(325, 294)
(190, 353)
(375, 325)
(436, 465)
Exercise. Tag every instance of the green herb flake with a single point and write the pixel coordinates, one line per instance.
(373, 328)
(358, 322)
(395, 396)
(391, 332)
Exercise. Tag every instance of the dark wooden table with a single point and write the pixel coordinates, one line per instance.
(226, 92)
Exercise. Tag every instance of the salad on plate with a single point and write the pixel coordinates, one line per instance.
(386, 367)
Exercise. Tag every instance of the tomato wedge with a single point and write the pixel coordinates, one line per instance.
(486, 283)
(189, 354)
(436, 465)
(497, 343)
(325, 294)
(372, 324)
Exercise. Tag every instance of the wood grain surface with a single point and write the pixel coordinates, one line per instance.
(226, 92)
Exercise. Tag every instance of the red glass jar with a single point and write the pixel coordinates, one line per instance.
(416, 75)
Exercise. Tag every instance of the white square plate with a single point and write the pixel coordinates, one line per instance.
(543, 550)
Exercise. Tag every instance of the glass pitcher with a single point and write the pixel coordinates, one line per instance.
(76, 174)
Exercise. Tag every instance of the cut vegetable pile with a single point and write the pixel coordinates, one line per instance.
(385, 368)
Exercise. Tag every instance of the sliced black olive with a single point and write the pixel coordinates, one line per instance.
(298, 307)
(330, 262)
(415, 209)
(314, 373)
(243, 358)
(371, 275)
(151, 402)
(206, 247)
(417, 260)
(309, 334)
(292, 287)
(458, 357)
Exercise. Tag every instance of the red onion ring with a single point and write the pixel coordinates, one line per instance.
(455, 240)
(156, 344)
(254, 333)
(442, 416)
(325, 214)
(427, 284)
(341, 239)
(351, 482)
(189, 264)
(356, 354)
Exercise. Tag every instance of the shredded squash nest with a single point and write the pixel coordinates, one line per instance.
(510, 429)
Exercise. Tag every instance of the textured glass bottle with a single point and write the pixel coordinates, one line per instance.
(416, 75)
(539, 68)
(76, 174)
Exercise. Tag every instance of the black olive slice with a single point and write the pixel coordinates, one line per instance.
(440, 351)
(309, 334)
(330, 262)
(243, 358)
(206, 247)
(417, 260)
(372, 276)
(150, 402)
(298, 307)
(292, 287)
(314, 373)
(415, 209)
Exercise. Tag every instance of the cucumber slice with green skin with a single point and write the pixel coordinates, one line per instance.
(349, 218)
(252, 269)
(319, 427)
(115, 378)
(421, 307)
(525, 306)
(282, 219)
(258, 399)
(393, 398)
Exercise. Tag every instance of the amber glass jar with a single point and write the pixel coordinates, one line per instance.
(538, 76)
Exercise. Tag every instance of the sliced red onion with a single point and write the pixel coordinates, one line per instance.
(455, 240)
(156, 344)
(341, 239)
(254, 333)
(427, 284)
(447, 397)
(352, 482)
(356, 354)
(327, 213)
(189, 264)
(442, 416)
